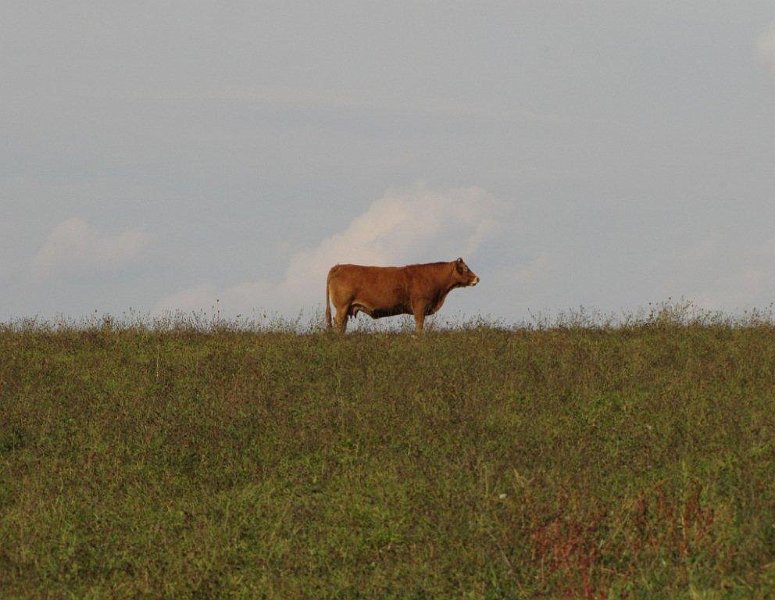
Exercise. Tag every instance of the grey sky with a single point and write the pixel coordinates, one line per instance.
(162, 155)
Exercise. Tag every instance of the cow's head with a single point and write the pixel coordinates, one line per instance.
(463, 276)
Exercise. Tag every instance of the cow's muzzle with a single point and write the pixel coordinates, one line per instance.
(475, 281)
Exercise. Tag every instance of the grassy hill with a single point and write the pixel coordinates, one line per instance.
(476, 462)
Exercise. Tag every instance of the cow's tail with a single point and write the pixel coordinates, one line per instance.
(328, 300)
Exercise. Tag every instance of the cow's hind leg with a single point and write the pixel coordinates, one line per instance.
(342, 314)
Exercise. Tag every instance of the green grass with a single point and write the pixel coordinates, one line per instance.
(635, 461)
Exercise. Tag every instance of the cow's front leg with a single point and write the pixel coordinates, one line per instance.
(419, 310)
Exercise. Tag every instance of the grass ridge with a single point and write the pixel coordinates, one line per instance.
(577, 458)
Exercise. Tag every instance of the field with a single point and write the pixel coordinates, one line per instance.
(572, 459)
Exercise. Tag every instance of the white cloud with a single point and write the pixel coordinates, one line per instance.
(418, 225)
(76, 248)
(766, 45)
(401, 227)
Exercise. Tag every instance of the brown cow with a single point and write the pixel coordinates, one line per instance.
(417, 290)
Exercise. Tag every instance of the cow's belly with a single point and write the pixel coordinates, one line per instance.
(377, 312)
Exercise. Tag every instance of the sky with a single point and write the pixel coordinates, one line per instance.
(182, 156)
